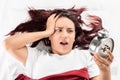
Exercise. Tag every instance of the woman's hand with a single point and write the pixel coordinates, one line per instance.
(103, 63)
(50, 24)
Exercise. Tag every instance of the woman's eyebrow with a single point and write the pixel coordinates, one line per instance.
(57, 27)
(63, 27)
(70, 28)
(60, 27)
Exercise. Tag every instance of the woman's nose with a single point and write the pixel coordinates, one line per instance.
(64, 34)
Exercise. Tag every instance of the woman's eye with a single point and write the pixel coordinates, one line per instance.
(59, 30)
(70, 31)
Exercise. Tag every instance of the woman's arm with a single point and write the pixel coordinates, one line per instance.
(103, 76)
(104, 66)
(19, 41)
(16, 44)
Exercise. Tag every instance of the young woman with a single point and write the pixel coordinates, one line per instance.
(61, 31)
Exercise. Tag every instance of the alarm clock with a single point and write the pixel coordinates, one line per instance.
(100, 43)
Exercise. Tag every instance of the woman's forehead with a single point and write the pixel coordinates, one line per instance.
(65, 22)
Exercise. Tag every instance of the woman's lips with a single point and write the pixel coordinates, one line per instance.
(64, 43)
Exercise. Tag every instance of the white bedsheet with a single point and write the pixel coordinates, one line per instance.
(14, 12)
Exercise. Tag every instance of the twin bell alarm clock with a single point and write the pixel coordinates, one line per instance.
(100, 43)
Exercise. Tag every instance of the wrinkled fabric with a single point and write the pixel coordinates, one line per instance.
(81, 74)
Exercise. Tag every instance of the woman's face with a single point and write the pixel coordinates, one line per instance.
(64, 36)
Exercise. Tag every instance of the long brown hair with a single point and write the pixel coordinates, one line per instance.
(38, 23)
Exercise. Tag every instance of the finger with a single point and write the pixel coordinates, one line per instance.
(101, 60)
(50, 24)
(52, 17)
(97, 62)
(109, 53)
(110, 56)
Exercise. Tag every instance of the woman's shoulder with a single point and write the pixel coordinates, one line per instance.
(35, 53)
(36, 50)
(82, 53)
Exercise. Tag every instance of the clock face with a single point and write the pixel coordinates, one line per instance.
(106, 43)
(100, 46)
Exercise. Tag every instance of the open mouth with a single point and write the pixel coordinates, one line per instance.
(64, 43)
